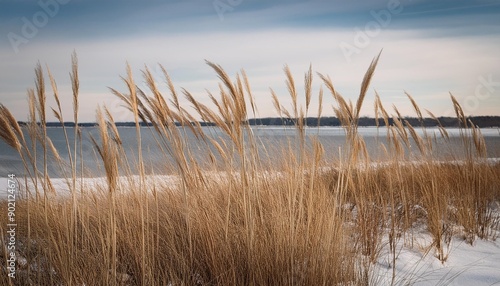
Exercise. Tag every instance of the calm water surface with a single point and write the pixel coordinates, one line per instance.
(270, 141)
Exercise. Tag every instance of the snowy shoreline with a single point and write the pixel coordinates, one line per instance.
(62, 188)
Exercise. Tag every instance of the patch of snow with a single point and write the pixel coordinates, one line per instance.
(416, 265)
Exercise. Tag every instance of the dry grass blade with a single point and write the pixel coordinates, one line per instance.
(249, 92)
(227, 105)
(397, 146)
(183, 116)
(376, 107)
(121, 96)
(132, 93)
(341, 115)
(344, 108)
(241, 103)
(40, 91)
(290, 84)
(150, 81)
(401, 130)
(209, 116)
(11, 120)
(224, 78)
(418, 140)
(75, 84)
(397, 112)
(157, 103)
(308, 78)
(112, 125)
(459, 111)
(478, 139)
(147, 108)
(276, 102)
(222, 109)
(173, 93)
(108, 153)
(366, 83)
(320, 104)
(55, 153)
(55, 90)
(442, 130)
(136, 107)
(287, 113)
(31, 105)
(7, 130)
(57, 115)
(385, 115)
(41, 108)
(415, 106)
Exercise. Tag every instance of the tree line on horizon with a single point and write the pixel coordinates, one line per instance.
(479, 121)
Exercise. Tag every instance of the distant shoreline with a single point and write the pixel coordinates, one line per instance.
(479, 121)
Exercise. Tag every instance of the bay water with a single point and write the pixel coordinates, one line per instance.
(270, 141)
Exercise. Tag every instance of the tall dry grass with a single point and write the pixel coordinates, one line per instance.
(232, 218)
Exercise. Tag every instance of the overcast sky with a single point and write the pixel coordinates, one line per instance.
(430, 48)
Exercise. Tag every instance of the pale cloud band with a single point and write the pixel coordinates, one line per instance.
(455, 50)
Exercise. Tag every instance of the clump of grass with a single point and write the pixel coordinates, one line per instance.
(229, 216)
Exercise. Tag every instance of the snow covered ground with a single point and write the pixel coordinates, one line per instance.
(416, 262)
(62, 189)
(417, 265)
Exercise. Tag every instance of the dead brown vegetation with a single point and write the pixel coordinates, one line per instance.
(308, 221)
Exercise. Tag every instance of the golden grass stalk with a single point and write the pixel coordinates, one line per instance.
(365, 84)
(344, 111)
(308, 78)
(249, 93)
(418, 140)
(290, 84)
(42, 116)
(71, 156)
(380, 107)
(7, 130)
(320, 105)
(442, 130)
(415, 106)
